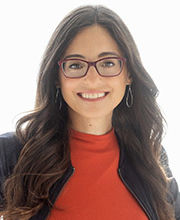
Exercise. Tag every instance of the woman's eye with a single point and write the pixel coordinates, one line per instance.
(75, 66)
(108, 64)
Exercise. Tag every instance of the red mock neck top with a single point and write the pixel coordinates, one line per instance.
(95, 190)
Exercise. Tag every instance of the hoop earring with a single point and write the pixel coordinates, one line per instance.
(129, 97)
(58, 97)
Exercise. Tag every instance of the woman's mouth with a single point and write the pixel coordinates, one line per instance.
(92, 96)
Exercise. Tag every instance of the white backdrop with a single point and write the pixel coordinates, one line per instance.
(26, 27)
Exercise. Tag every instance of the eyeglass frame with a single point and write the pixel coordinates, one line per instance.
(92, 64)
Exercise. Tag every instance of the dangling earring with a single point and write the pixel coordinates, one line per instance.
(129, 97)
(58, 98)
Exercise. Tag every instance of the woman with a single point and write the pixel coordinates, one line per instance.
(91, 149)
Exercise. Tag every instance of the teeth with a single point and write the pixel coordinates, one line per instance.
(92, 95)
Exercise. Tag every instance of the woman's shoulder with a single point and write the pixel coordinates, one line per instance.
(9, 137)
(165, 162)
(10, 148)
(9, 144)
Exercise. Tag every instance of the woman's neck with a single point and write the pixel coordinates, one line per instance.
(97, 126)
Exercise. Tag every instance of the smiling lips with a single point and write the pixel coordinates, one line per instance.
(93, 96)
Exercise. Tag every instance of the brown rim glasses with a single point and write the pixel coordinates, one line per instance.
(106, 67)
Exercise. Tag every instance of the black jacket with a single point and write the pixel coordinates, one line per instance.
(9, 152)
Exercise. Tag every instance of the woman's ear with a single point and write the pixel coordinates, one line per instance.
(57, 84)
(129, 79)
(57, 81)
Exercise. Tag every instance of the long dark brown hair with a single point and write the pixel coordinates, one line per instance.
(44, 131)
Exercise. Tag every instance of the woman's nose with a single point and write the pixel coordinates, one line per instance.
(92, 74)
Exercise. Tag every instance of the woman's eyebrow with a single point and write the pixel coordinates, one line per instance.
(74, 55)
(107, 53)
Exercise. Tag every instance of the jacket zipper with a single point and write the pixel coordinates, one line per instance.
(119, 171)
(62, 189)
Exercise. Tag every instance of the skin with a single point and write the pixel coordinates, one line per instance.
(87, 116)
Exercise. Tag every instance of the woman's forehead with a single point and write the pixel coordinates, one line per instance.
(93, 40)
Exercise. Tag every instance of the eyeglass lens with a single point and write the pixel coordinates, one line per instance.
(105, 67)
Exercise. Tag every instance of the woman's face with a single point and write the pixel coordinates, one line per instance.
(91, 44)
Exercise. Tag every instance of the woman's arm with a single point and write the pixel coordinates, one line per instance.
(10, 149)
(173, 186)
